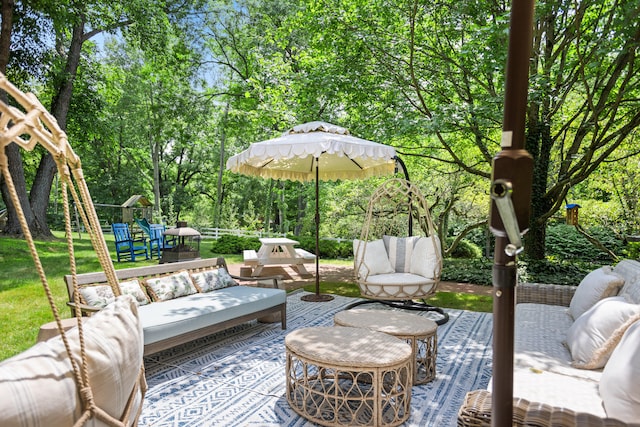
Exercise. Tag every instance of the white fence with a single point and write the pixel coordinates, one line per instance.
(215, 233)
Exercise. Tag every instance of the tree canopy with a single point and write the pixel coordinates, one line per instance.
(155, 99)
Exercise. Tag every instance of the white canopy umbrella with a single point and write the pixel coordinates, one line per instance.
(315, 151)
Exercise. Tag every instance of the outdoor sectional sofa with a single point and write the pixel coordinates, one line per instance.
(182, 301)
(576, 353)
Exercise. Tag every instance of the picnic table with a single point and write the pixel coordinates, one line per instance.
(278, 251)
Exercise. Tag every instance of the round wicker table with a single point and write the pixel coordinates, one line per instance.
(348, 376)
(418, 331)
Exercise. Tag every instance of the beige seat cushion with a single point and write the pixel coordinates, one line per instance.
(38, 388)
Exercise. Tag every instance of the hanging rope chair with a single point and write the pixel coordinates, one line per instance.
(92, 373)
(392, 264)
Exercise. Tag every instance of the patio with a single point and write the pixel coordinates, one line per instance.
(237, 377)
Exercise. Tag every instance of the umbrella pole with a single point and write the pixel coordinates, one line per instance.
(511, 179)
(317, 297)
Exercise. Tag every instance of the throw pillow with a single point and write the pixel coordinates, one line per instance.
(424, 260)
(97, 295)
(132, 287)
(593, 336)
(210, 280)
(371, 257)
(631, 291)
(170, 287)
(38, 387)
(205, 281)
(225, 279)
(399, 250)
(620, 381)
(596, 285)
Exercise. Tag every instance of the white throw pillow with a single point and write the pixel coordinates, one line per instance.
(593, 336)
(375, 260)
(38, 388)
(132, 287)
(631, 291)
(620, 381)
(598, 284)
(205, 281)
(97, 295)
(170, 287)
(424, 259)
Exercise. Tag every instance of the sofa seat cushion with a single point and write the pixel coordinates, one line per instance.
(398, 278)
(558, 390)
(540, 333)
(397, 286)
(167, 319)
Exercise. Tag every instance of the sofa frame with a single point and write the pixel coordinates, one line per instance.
(169, 268)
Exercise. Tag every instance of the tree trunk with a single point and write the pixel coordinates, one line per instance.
(268, 207)
(302, 207)
(41, 188)
(539, 146)
(223, 137)
(12, 151)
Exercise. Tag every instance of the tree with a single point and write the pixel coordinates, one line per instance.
(74, 23)
(431, 76)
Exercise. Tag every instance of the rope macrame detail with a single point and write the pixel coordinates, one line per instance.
(38, 127)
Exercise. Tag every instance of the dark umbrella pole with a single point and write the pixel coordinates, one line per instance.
(317, 297)
(511, 198)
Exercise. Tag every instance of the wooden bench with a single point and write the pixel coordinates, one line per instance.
(254, 262)
(250, 257)
(307, 257)
(186, 318)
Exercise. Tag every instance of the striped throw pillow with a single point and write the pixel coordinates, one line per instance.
(399, 250)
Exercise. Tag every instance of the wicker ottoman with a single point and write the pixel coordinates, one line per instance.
(418, 331)
(348, 376)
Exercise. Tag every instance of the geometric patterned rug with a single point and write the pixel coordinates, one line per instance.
(237, 377)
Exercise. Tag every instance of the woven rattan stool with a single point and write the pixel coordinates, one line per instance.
(348, 376)
(418, 331)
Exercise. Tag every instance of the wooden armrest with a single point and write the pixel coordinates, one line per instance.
(84, 308)
(543, 293)
(476, 411)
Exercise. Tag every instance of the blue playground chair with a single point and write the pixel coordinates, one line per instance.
(157, 240)
(128, 248)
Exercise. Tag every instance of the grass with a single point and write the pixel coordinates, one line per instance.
(24, 306)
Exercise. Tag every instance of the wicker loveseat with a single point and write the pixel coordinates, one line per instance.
(182, 301)
(576, 354)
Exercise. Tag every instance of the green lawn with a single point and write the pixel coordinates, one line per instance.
(24, 306)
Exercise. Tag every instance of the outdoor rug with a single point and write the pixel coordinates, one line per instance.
(237, 377)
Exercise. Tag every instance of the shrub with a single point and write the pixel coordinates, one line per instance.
(632, 251)
(229, 244)
(476, 271)
(566, 243)
(479, 271)
(465, 249)
(560, 272)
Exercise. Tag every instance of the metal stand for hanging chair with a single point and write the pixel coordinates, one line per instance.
(415, 260)
(407, 305)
